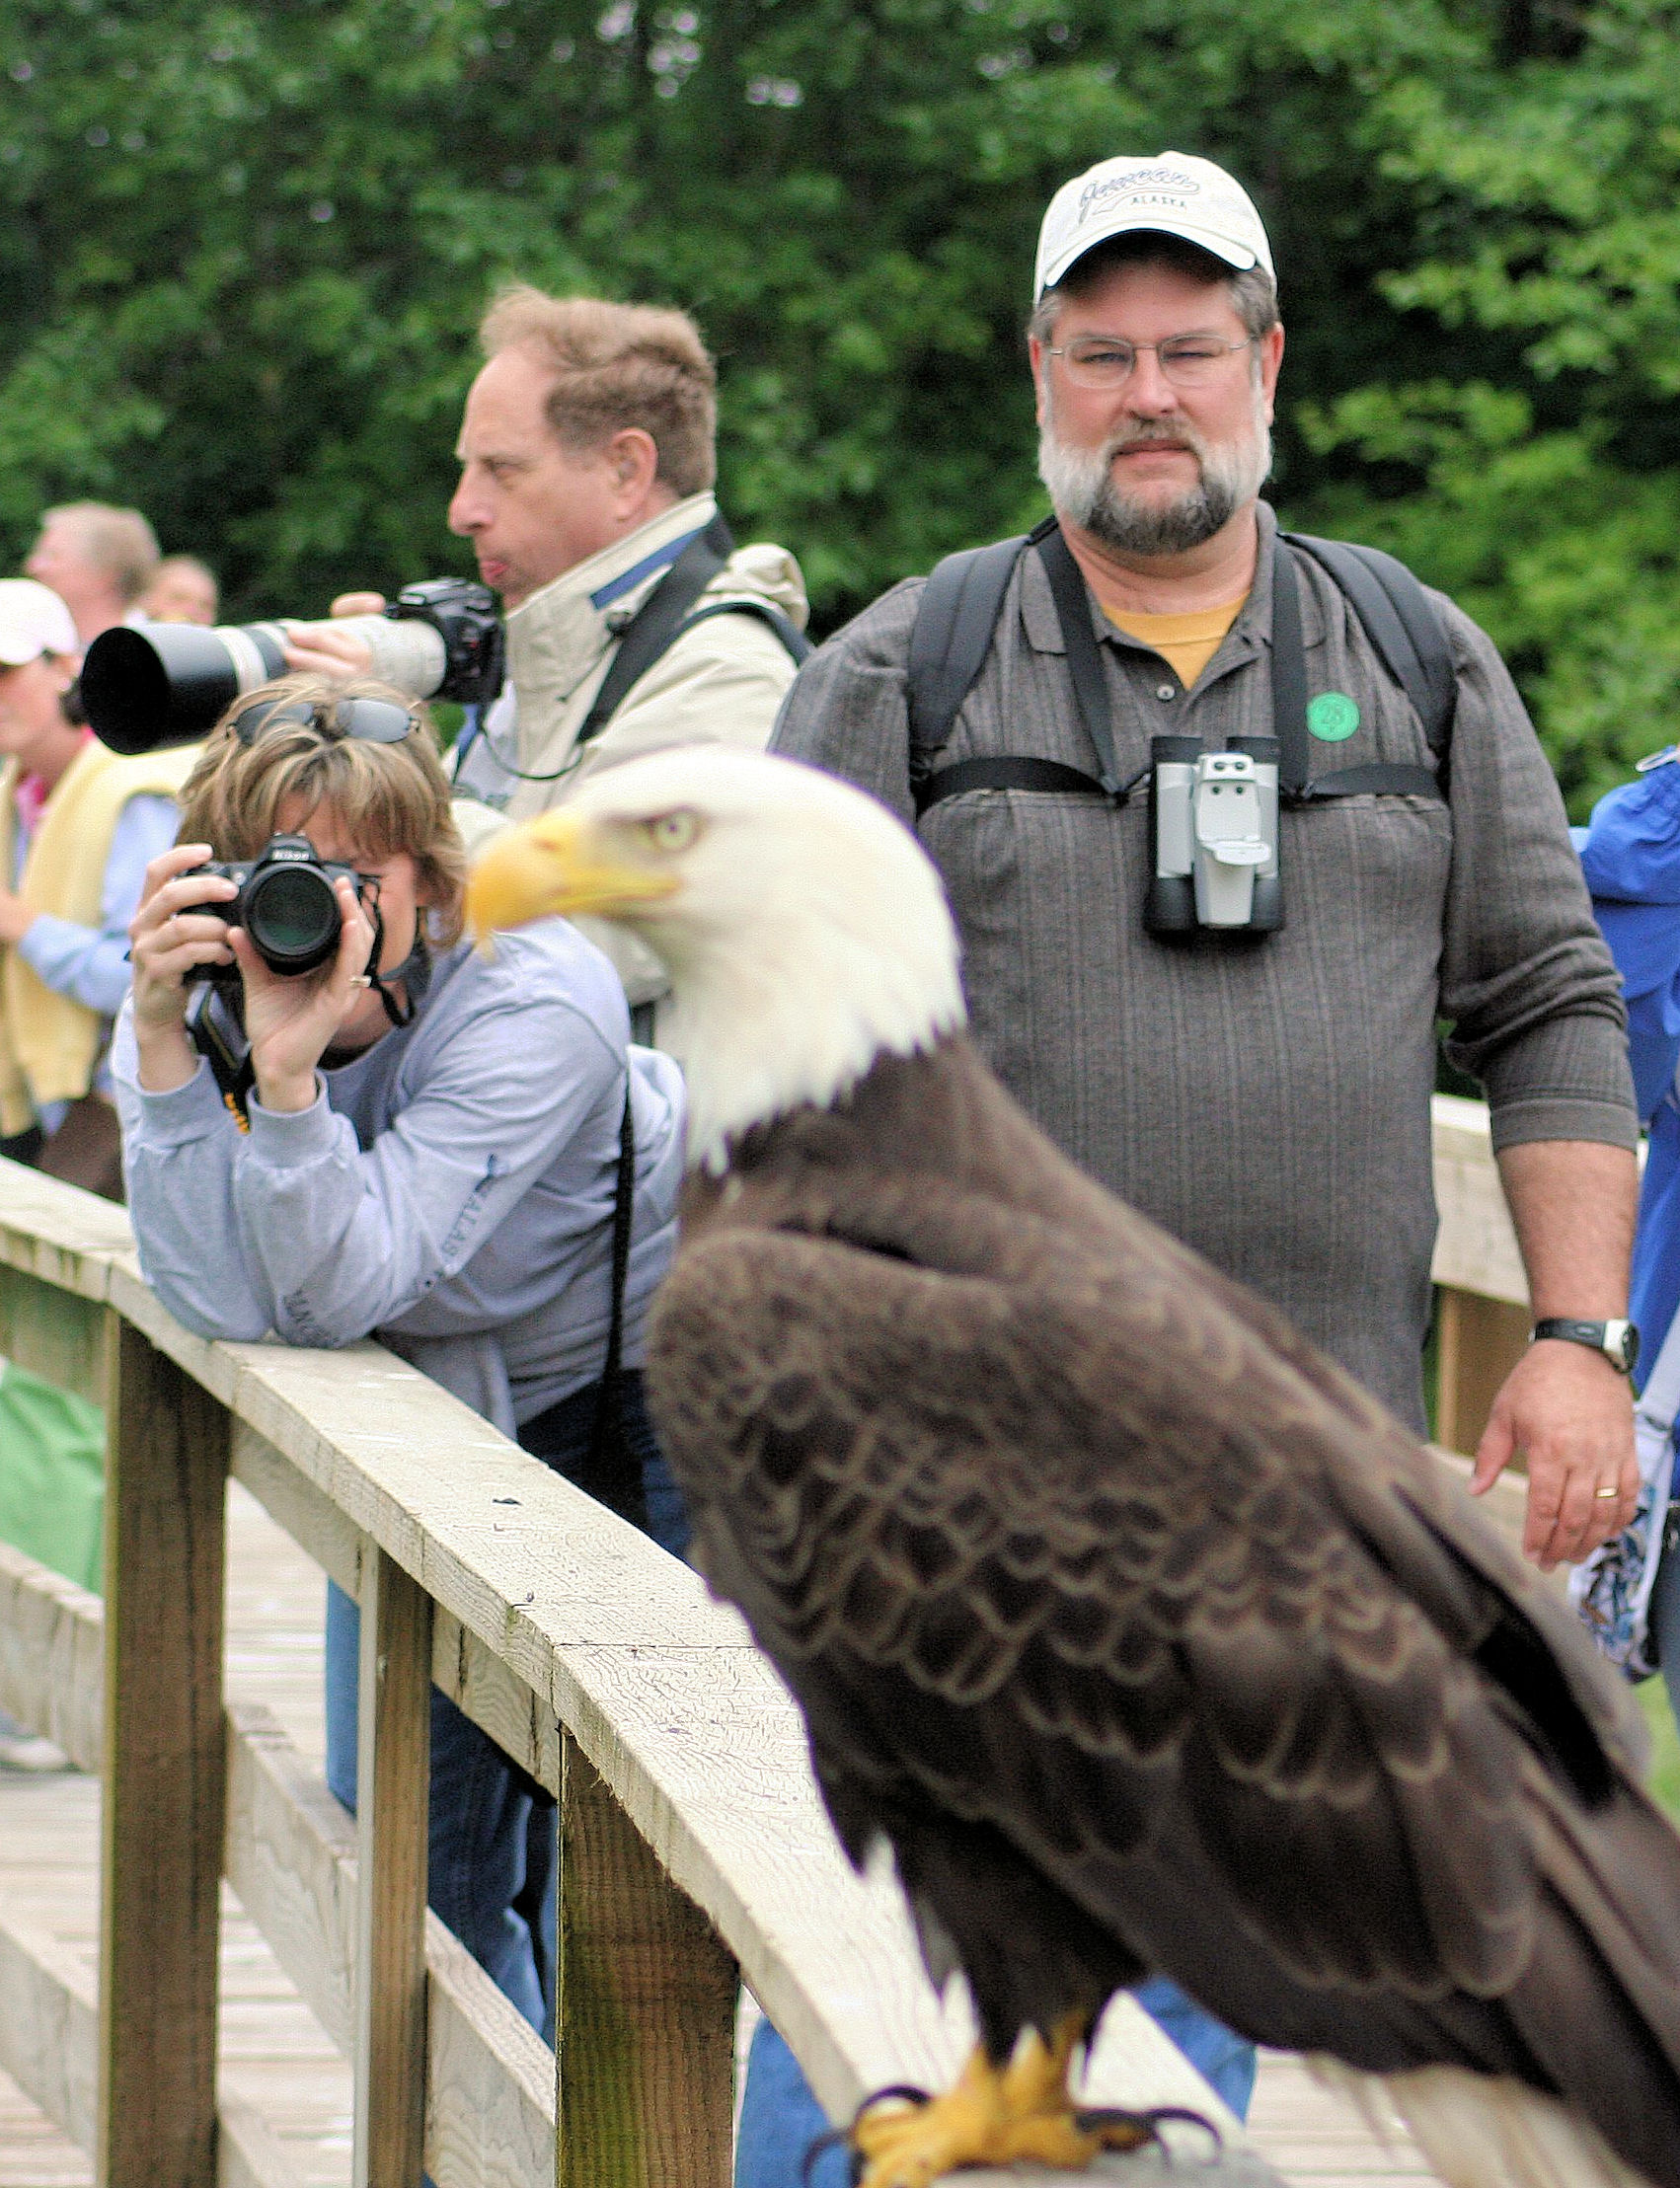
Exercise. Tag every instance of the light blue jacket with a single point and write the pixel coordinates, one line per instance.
(449, 1192)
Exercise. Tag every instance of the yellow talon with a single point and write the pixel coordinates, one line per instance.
(991, 2116)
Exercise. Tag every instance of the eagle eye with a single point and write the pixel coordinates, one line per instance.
(672, 832)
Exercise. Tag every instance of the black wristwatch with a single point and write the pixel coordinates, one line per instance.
(1619, 1341)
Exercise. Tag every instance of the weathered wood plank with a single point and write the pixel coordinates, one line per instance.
(52, 1656)
(163, 1753)
(48, 2025)
(1478, 1343)
(393, 1777)
(646, 2009)
(249, 2155)
(49, 2045)
(1476, 1248)
(306, 1512)
(291, 1857)
(55, 1334)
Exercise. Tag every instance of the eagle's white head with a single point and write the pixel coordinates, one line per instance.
(805, 931)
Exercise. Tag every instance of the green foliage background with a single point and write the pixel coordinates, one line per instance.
(243, 247)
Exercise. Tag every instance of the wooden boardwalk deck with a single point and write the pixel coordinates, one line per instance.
(274, 2054)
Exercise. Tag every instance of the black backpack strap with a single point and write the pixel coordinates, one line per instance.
(1006, 772)
(1288, 680)
(1400, 624)
(795, 644)
(949, 639)
(1083, 655)
(658, 621)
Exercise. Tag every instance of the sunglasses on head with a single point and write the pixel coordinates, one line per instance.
(374, 720)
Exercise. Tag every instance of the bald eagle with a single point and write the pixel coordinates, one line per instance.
(1147, 1641)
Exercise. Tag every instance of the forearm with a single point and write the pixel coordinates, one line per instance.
(179, 1150)
(1572, 1203)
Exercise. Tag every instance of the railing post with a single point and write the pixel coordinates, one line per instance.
(646, 2012)
(1478, 1343)
(393, 1780)
(165, 1770)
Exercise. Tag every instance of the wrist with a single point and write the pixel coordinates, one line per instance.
(164, 1057)
(1614, 1340)
(287, 1093)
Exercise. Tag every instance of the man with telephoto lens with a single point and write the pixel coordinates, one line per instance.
(587, 464)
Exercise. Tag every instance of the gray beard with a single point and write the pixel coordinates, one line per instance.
(1083, 489)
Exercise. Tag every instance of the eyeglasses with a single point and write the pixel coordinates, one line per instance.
(1105, 361)
(374, 720)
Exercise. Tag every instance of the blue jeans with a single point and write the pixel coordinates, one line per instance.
(781, 2119)
(493, 1855)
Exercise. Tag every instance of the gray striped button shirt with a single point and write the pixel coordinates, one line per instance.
(1268, 1101)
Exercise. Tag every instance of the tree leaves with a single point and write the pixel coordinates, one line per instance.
(244, 248)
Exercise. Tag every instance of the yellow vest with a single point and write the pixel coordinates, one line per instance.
(49, 1044)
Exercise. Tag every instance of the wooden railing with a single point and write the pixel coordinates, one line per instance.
(693, 1849)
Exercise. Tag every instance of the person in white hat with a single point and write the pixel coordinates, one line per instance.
(78, 827)
(1250, 1061)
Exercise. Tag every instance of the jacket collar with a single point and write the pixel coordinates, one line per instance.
(557, 636)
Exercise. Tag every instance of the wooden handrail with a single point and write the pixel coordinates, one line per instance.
(693, 1839)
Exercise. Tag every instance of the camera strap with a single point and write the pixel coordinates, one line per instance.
(611, 1470)
(217, 1030)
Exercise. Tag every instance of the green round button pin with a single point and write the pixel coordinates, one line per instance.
(1332, 715)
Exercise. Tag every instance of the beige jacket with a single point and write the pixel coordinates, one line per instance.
(721, 682)
(49, 1043)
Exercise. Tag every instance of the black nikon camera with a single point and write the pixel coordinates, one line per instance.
(286, 904)
(169, 683)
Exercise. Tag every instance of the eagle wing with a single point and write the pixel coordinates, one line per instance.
(1103, 1572)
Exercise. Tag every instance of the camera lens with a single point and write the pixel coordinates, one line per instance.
(292, 918)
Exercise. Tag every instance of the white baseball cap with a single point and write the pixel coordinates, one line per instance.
(1172, 194)
(33, 621)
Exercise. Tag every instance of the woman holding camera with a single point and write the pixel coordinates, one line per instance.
(429, 1153)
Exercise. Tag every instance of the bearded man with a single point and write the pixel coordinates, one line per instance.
(1262, 1089)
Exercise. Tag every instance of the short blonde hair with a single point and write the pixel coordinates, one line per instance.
(118, 541)
(391, 797)
(618, 365)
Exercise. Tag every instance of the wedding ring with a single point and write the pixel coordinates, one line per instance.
(365, 980)
(1606, 1492)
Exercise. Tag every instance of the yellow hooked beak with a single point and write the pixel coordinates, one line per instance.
(563, 862)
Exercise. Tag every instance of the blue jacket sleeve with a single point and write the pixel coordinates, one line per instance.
(1631, 855)
(90, 964)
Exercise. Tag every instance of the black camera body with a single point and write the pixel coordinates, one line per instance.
(465, 617)
(286, 904)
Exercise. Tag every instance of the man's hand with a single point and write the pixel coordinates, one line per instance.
(16, 917)
(1572, 1415)
(1563, 1405)
(338, 655)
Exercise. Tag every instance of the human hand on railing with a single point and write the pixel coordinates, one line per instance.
(168, 941)
(1571, 1415)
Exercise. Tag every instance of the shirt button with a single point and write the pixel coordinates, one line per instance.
(1166, 691)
